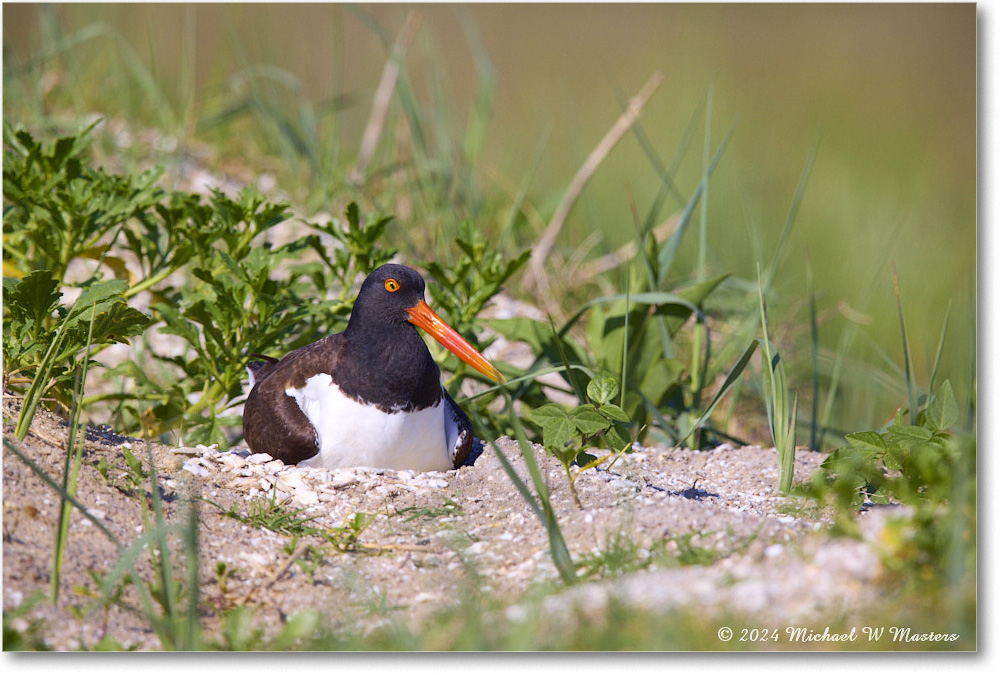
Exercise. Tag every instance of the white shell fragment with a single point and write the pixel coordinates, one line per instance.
(260, 473)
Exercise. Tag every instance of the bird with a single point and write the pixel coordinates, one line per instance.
(370, 396)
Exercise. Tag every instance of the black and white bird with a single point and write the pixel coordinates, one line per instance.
(370, 396)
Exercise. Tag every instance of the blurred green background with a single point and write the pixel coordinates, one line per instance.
(886, 94)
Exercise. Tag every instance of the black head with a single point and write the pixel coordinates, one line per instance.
(386, 295)
(390, 304)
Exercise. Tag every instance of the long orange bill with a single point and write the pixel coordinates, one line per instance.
(423, 316)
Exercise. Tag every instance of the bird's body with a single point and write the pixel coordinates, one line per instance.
(370, 396)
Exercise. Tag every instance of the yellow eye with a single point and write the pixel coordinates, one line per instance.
(391, 285)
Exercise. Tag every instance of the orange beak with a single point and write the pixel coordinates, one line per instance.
(423, 316)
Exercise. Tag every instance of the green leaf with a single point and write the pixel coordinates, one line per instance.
(730, 380)
(603, 388)
(615, 441)
(695, 294)
(558, 428)
(176, 324)
(868, 442)
(615, 413)
(588, 420)
(894, 457)
(659, 378)
(98, 292)
(908, 433)
(942, 413)
(523, 329)
(118, 323)
(33, 298)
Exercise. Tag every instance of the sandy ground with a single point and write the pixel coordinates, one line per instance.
(427, 531)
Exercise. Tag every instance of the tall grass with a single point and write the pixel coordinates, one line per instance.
(71, 467)
(177, 627)
(538, 500)
(781, 416)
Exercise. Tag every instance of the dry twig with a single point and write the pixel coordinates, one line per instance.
(536, 277)
(623, 254)
(383, 96)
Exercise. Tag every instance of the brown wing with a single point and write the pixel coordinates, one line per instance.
(272, 420)
(258, 370)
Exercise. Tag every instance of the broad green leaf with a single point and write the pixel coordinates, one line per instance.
(602, 388)
(659, 378)
(726, 386)
(588, 420)
(868, 442)
(615, 441)
(613, 412)
(176, 324)
(33, 298)
(894, 457)
(523, 329)
(119, 323)
(605, 330)
(942, 413)
(98, 291)
(557, 427)
(694, 294)
(908, 433)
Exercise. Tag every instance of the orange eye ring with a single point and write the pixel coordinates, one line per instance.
(391, 285)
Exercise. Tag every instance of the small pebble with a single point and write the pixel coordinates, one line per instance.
(291, 482)
(306, 497)
(193, 466)
(233, 462)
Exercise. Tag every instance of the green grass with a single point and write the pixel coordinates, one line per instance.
(268, 513)
(471, 170)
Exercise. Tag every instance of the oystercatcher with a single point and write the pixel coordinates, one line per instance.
(370, 396)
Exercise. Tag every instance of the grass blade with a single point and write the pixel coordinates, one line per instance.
(780, 418)
(703, 220)
(578, 388)
(71, 467)
(48, 480)
(668, 252)
(787, 458)
(814, 342)
(730, 380)
(34, 394)
(911, 388)
(665, 173)
(192, 623)
(383, 97)
(628, 305)
(539, 503)
(792, 213)
(541, 250)
(940, 349)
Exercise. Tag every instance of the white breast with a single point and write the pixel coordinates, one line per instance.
(352, 434)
